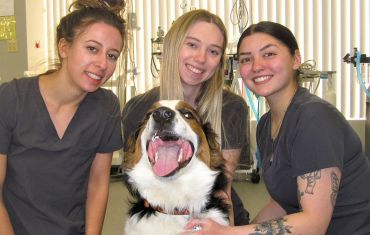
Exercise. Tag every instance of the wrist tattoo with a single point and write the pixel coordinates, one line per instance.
(272, 227)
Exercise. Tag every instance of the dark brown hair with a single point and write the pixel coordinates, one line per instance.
(87, 12)
(276, 30)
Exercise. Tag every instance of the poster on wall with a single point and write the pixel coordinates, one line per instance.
(7, 28)
(6, 7)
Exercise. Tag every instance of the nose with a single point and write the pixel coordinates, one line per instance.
(163, 115)
(201, 56)
(257, 65)
(101, 61)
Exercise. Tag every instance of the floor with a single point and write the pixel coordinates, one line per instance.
(253, 195)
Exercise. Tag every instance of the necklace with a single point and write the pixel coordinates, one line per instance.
(276, 131)
(275, 134)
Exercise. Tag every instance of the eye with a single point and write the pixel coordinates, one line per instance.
(91, 48)
(244, 60)
(191, 44)
(186, 113)
(112, 57)
(215, 52)
(269, 54)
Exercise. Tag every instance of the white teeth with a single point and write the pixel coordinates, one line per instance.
(261, 79)
(156, 157)
(154, 137)
(181, 155)
(193, 69)
(94, 76)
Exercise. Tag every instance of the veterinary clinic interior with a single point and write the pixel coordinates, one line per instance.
(333, 38)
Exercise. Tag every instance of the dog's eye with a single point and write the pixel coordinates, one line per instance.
(187, 114)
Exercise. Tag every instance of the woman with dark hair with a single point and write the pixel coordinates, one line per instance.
(58, 130)
(312, 160)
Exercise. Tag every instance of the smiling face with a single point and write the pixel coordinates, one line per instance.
(266, 65)
(90, 60)
(200, 54)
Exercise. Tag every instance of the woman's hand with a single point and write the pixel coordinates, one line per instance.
(206, 226)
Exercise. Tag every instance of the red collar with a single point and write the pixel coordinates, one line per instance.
(161, 210)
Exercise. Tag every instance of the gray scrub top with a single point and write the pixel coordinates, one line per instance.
(46, 180)
(314, 135)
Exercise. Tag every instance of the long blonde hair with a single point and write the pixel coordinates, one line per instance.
(209, 101)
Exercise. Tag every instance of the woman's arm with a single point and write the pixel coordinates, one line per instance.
(270, 211)
(97, 193)
(317, 193)
(317, 196)
(231, 157)
(6, 227)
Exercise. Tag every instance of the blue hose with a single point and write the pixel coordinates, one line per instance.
(256, 113)
(359, 76)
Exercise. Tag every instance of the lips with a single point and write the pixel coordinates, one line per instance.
(262, 79)
(194, 69)
(168, 153)
(94, 76)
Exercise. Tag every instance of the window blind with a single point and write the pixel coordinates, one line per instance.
(326, 30)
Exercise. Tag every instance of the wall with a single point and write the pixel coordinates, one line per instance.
(35, 33)
(13, 64)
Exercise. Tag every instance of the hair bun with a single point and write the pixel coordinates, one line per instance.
(116, 6)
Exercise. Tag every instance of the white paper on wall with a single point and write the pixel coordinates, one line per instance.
(6, 7)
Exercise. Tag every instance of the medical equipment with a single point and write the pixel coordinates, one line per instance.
(357, 59)
(157, 48)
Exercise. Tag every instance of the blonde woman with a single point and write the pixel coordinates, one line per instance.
(193, 70)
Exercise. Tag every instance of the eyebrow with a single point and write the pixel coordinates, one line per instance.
(196, 39)
(113, 49)
(262, 49)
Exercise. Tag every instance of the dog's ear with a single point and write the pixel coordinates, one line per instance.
(211, 136)
(131, 157)
(217, 161)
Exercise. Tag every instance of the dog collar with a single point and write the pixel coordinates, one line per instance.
(161, 210)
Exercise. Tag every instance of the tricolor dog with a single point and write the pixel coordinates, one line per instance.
(174, 172)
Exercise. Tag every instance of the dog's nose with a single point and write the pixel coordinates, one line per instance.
(163, 114)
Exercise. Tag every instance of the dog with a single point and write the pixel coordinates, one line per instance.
(174, 171)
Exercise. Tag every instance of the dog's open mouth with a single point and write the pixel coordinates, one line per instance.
(168, 153)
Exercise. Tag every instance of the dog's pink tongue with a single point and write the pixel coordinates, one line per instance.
(167, 160)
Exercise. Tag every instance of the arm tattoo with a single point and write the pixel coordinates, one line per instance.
(299, 197)
(311, 180)
(272, 227)
(334, 188)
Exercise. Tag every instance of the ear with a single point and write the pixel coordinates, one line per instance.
(297, 59)
(63, 47)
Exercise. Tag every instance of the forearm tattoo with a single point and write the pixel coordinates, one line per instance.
(311, 180)
(334, 188)
(272, 227)
(299, 197)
